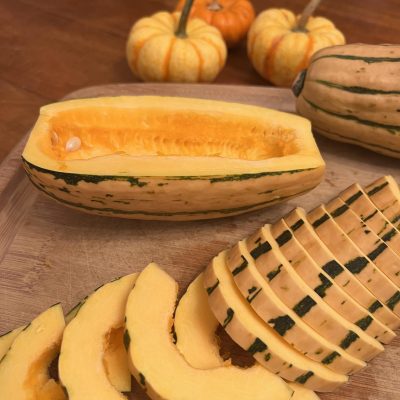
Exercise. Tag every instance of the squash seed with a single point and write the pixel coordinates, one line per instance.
(54, 138)
(73, 144)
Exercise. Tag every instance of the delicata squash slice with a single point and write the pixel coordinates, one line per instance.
(170, 158)
(24, 368)
(83, 369)
(195, 327)
(160, 368)
(251, 333)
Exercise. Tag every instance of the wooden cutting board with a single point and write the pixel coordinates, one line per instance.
(51, 254)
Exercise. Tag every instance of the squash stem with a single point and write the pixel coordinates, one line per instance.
(306, 14)
(181, 31)
(215, 6)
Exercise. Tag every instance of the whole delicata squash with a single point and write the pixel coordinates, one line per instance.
(170, 158)
(352, 94)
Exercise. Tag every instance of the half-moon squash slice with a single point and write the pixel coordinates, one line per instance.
(82, 369)
(195, 327)
(24, 369)
(7, 339)
(115, 358)
(161, 369)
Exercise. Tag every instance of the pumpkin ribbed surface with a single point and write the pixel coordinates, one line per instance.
(232, 17)
(156, 53)
(278, 51)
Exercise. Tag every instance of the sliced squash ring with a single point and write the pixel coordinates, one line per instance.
(361, 345)
(264, 301)
(355, 261)
(356, 198)
(385, 194)
(251, 333)
(349, 284)
(377, 251)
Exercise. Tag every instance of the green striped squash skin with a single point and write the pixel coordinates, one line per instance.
(351, 94)
(385, 195)
(173, 198)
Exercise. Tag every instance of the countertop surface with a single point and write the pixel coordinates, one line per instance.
(52, 47)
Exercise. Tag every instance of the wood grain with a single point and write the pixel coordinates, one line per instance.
(50, 48)
(49, 253)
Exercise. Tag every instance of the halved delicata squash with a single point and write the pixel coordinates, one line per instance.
(24, 368)
(195, 327)
(82, 366)
(170, 158)
(160, 368)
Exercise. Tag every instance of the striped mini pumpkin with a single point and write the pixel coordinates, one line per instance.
(279, 48)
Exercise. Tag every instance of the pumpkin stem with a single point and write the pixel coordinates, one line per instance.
(181, 31)
(215, 6)
(306, 14)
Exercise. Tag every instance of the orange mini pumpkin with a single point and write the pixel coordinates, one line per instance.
(232, 17)
(280, 44)
(168, 48)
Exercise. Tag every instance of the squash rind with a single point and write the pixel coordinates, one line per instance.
(122, 199)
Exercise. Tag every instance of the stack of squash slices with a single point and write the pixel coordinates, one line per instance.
(307, 297)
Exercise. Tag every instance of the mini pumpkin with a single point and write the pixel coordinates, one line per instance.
(280, 44)
(167, 47)
(233, 18)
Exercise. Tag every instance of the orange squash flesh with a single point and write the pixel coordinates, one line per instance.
(159, 132)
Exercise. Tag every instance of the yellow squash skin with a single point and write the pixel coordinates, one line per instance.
(279, 51)
(351, 94)
(170, 158)
(155, 53)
